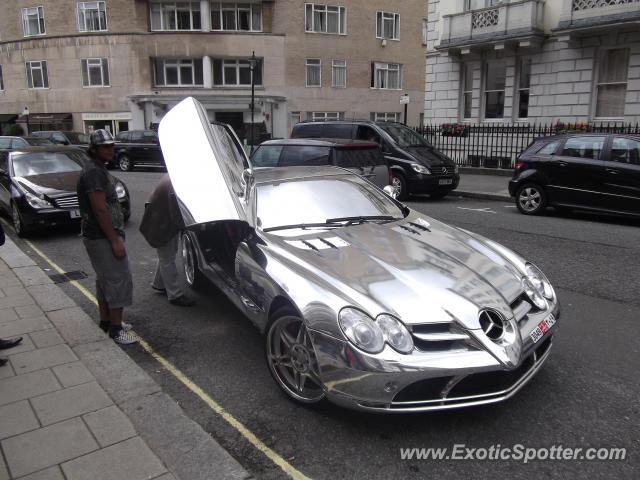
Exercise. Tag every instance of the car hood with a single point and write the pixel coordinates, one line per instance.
(50, 184)
(429, 157)
(421, 274)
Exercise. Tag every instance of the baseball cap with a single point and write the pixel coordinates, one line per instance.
(100, 137)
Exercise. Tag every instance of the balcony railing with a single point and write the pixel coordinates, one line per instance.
(596, 13)
(509, 20)
(587, 4)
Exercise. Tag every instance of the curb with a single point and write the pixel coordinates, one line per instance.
(181, 444)
(483, 195)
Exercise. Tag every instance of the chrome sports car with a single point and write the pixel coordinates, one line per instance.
(361, 300)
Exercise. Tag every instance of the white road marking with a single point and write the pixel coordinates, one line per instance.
(481, 210)
(510, 206)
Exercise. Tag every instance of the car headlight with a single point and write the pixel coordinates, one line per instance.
(36, 202)
(539, 281)
(420, 169)
(361, 330)
(534, 295)
(395, 333)
(121, 192)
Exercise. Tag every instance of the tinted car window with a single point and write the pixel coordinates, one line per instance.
(3, 161)
(404, 136)
(310, 130)
(337, 131)
(266, 156)
(58, 137)
(583, 147)
(548, 149)
(304, 155)
(37, 141)
(41, 163)
(358, 157)
(368, 134)
(5, 143)
(150, 137)
(77, 138)
(625, 150)
(136, 137)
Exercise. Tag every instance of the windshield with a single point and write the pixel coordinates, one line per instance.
(42, 163)
(37, 141)
(316, 200)
(404, 136)
(77, 138)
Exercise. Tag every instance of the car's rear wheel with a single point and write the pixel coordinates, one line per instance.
(192, 273)
(292, 359)
(531, 199)
(399, 184)
(125, 164)
(18, 223)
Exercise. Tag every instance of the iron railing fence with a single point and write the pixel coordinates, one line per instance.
(498, 145)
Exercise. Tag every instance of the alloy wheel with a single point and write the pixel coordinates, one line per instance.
(292, 360)
(188, 260)
(16, 219)
(530, 199)
(124, 163)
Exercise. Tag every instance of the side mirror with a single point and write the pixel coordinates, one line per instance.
(392, 192)
(247, 180)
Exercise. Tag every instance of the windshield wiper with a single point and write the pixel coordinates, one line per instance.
(362, 219)
(302, 226)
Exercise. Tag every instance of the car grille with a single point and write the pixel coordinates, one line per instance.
(436, 337)
(521, 306)
(67, 202)
(442, 170)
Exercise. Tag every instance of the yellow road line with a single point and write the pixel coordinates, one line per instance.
(187, 382)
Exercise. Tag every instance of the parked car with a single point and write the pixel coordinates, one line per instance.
(593, 171)
(417, 167)
(364, 158)
(361, 300)
(137, 148)
(76, 139)
(38, 187)
(9, 143)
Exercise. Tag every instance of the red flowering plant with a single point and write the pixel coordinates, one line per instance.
(454, 130)
(578, 127)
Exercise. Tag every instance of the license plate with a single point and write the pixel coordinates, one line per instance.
(75, 213)
(445, 181)
(542, 328)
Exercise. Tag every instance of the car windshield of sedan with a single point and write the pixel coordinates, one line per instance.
(42, 163)
(404, 136)
(77, 138)
(315, 202)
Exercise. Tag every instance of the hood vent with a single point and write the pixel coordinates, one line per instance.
(320, 243)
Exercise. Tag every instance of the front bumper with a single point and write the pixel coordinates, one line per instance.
(52, 217)
(420, 183)
(425, 381)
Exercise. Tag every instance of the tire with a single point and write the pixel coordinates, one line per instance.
(399, 183)
(531, 199)
(194, 277)
(438, 195)
(124, 163)
(16, 219)
(292, 360)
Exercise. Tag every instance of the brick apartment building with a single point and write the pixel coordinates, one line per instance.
(532, 61)
(121, 64)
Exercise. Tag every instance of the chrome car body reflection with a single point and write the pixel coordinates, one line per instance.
(362, 301)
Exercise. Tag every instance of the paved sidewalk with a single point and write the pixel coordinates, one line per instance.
(484, 184)
(74, 406)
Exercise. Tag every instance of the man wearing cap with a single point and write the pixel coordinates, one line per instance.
(103, 237)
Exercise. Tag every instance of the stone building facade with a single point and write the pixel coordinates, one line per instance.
(121, 64)
(532, 61)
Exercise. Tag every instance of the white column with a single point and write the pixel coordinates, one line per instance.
(205, 15)
(207, 72)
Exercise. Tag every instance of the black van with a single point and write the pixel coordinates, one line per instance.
(417, 167)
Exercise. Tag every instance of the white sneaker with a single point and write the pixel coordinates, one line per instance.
(126, 326)
(124, 338)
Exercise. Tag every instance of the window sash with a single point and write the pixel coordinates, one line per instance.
(467, 90)
(313, 72)
(244, 17)
(173, 72)
(33, 21)
(611, 89)
(385, 116)
(95, 72)
(524, 82)
(388, 25)
(387, 76)
(330, 19)
(92, 16)
(37, 75)
(235, 73)
(175, 16)
(339, 73)
(323, 116)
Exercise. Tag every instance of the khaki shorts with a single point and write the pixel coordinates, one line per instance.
(113, 277)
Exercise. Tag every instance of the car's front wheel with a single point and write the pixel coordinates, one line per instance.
(531, 199)
(125, 164)
(292, 359)
(192, 273)
(18, 223)
(399, 184)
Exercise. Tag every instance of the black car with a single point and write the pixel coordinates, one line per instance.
(38, 187)
(77, 139)
(138, 148)
(599, 172)
(9, 143)
(417, 167)
(363, 158)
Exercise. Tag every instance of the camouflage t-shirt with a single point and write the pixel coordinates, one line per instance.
(96, 178)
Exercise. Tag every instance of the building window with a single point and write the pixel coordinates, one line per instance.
(388, 25)
(477, 4)
(33, 21)
(313, 73)
(92, 17)
(467, 90)
(385, 116)
(495, 76)
(294, 118)
(339, 73)
(524, 82)
(425, 31)
(235, 73)
(323, 116)
(325, 19)
(178, 72)
(37, 75)
(1, 80)
(386, 76)
(612, 83)
(95, 72)
(236, 16)
(175, 15)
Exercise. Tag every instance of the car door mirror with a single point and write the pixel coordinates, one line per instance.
(391, 191)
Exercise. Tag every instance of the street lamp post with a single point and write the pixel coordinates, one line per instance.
(253, 62)
(25, 113)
